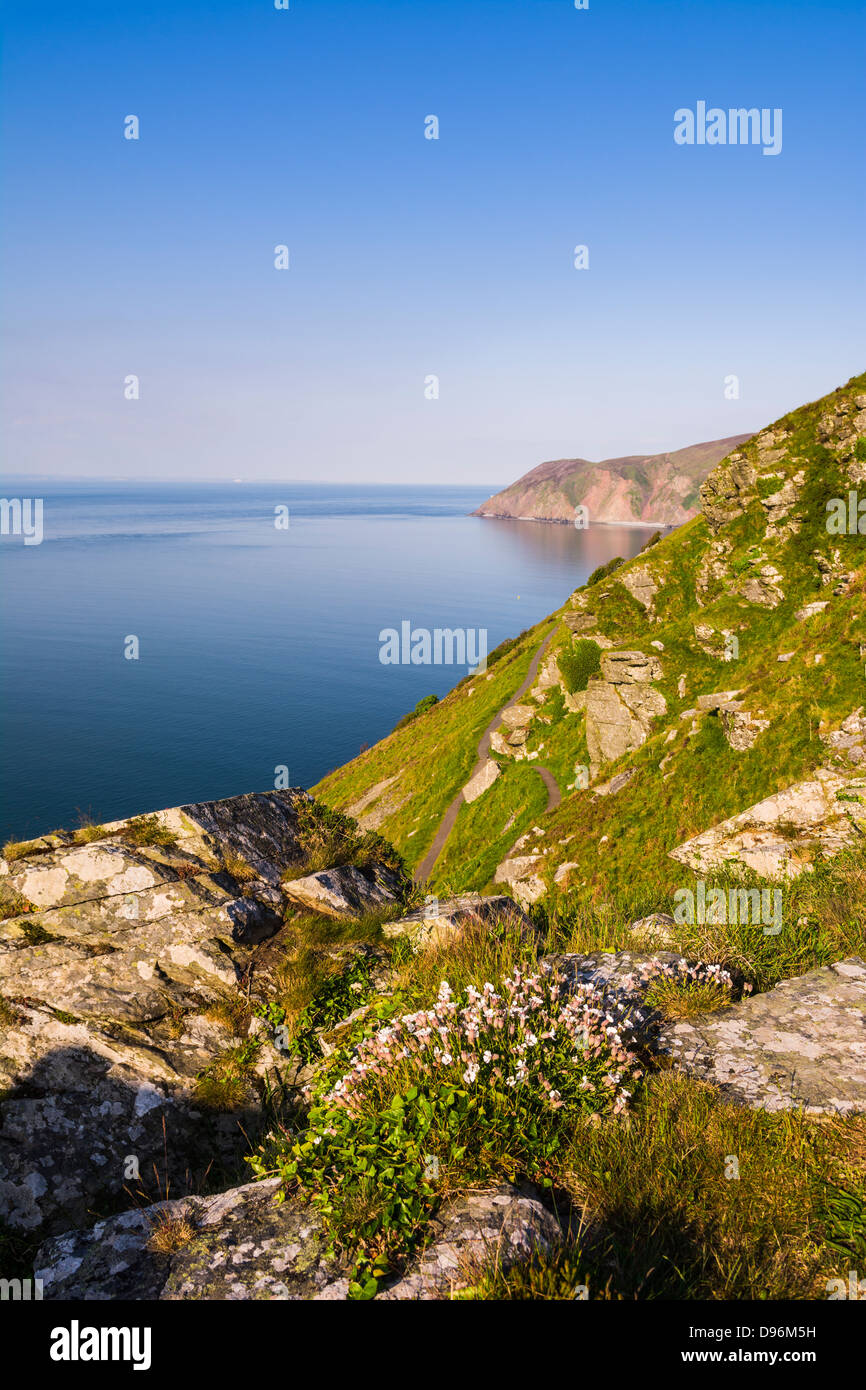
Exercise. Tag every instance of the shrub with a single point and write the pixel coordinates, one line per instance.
(604, 571)
(147, 830)
(578, 662)
(426, 703)
(329, 837)
(483, 1085)
(86, 834)
(15, 849)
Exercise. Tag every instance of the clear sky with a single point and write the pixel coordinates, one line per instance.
(411, 257)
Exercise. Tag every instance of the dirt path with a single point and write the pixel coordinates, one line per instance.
(446, 825)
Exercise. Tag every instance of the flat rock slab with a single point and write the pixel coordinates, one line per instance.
(244, 1245)
(828, 811)
(484, 778)
(475, 1231)
(800, 1045)
(440, 921)
(345, 891)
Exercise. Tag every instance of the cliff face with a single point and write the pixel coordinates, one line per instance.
(652, 489)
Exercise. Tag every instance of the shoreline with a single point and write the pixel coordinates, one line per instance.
(561, 521)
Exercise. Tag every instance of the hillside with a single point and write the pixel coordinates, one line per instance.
(720, 660)
(652, 489)
(541, 1090)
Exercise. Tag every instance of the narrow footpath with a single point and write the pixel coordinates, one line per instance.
(446, 825)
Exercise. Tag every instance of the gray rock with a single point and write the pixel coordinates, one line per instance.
(721, 697)
(615, 784)
(518, 716)
(740, 728)
(810, 610)
(763, 587)
(728, 490)
(439, 922)
(109, 982)
(641, 583)
(801, 1045)
(520, 872)
(474, 1232)
(820, 822)
(621, 706)
(482, 781)
(654, 929)
(243, 1245)
(345, 891)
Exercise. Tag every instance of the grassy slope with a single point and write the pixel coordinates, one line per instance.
(710, 780)
(661, 1218)
(433, 755)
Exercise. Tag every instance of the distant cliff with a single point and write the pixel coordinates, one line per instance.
(653, 489)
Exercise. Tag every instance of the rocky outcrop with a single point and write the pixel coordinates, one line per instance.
(642, 584)
(345, 891)
(763, 585)
(822, 814)
(523, 874)
(839, 429)
(110, 974)
(727, 492)
(848, 742)
(802, 1045)
(741, 729)
(482, 781)
(778, 507)
(243, 1245)
(438, 922)
(621, 706)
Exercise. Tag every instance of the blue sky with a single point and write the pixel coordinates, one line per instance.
(412, 257)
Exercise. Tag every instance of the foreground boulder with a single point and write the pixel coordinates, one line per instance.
(438, 922)
(242, 1244)
(113, 967)
(345, 891)
(800, 1045)
(477, 1231)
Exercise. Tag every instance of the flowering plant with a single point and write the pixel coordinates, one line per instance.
(564, 1048)
(482, 1086)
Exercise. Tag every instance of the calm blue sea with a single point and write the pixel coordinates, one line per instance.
(259, 647)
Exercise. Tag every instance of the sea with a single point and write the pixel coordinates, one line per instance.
(170, 643)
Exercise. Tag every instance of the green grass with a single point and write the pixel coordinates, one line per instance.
(147, 830)
(433, 757)
(228, 1083)
(486, 829)
(669, 1219)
